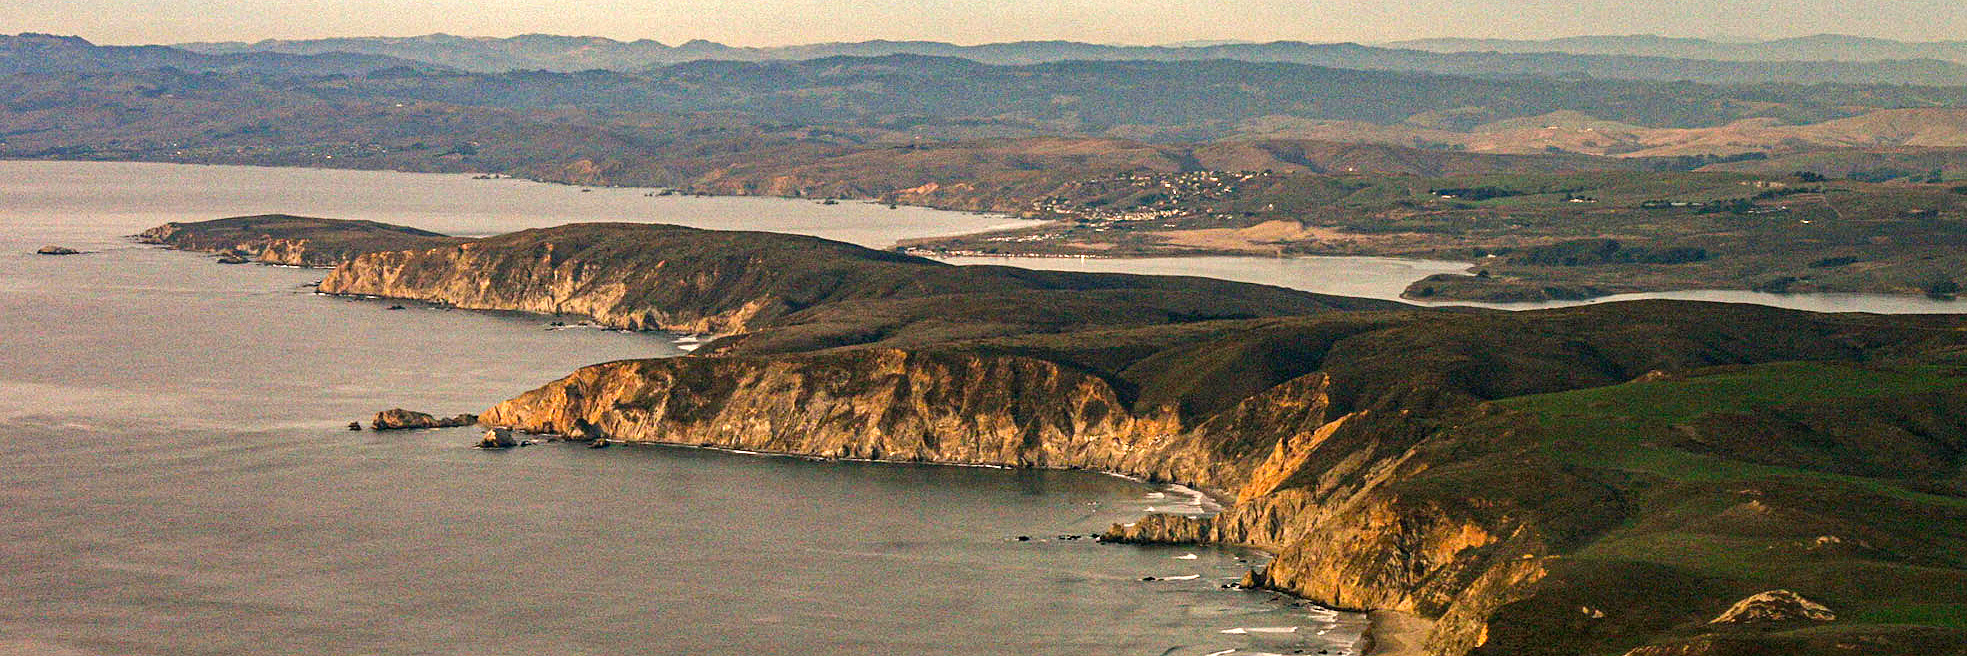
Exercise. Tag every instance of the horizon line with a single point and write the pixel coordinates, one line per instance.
(1182, 43)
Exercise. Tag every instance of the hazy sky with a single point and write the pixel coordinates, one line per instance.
(772, 22)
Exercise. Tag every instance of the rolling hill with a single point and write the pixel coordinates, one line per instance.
(575, 53)
(46, 53)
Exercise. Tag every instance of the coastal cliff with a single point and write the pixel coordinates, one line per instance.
(880, 404)
(813, 292)
(1389, 460)
(663, 278)
(291, 240)
(1349, 544)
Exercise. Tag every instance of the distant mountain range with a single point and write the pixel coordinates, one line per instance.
(47, 53)
(564, 53)
(65, 97)
(1821, 47)
(699, 109)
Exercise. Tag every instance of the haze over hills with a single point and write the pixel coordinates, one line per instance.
(570, 53)
(671, 124)
(1577, 132)
(1144, 99)
(1820, 47)
(47, 53)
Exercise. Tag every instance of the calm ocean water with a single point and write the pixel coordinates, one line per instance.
(1387, 277)
(178, 479)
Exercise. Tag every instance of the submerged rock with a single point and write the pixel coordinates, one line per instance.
(1774, 606)
(57, 250)
(234, 259)
(398, 418)
(498, 438)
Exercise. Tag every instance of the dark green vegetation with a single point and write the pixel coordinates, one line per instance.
(1657, 461)
(292, 240)
(1841, 481)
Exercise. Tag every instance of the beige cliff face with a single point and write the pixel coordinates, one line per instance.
(267, 250)
(291, 240)
(1361, 545)
(1370, 552)
(289, 252)
(871, 403)
(470, 277)
(1345, 540)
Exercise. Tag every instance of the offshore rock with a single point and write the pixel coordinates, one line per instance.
(498, 438)
(398, 418)
(56, 250)
(1161, 529)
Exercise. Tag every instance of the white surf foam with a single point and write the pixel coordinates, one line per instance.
(1194, 500)
(1243, 630)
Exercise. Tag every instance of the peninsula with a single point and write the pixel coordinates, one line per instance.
(1642, 478)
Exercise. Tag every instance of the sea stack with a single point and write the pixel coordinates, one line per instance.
(498, 438)
(398, 418)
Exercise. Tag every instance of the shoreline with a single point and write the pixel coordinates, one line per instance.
(1904, 303)
(1400, 633)
(1209, 502)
